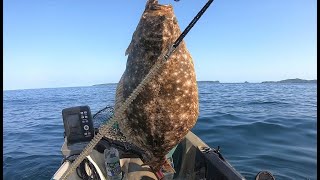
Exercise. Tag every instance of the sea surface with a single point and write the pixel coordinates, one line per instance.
(258, 127)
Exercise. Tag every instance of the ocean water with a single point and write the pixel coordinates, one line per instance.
(258, 127)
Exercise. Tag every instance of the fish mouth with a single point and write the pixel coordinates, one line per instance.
(154, 5)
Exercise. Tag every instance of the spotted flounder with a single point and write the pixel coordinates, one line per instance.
(163, 113)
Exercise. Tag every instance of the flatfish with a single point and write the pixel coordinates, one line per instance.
(164, 112)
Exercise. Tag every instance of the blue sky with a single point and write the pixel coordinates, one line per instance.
(79, 43)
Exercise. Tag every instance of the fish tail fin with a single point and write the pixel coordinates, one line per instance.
(167, 167)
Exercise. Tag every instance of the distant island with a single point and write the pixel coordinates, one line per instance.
(208, 82)
(104, 84)
(296, 80)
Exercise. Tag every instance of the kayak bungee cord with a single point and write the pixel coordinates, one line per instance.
(103, 130)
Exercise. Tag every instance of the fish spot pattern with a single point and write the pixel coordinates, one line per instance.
(164, 112)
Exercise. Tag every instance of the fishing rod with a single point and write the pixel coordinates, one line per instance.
(191, 24)
(187, 29)
(119, 114)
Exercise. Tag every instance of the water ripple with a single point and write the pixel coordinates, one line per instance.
(258, 127)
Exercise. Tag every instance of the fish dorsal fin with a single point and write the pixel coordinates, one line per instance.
(149, 5)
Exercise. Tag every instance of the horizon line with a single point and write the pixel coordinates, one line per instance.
(242, 82)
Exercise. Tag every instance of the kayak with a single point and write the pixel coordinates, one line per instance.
(192, 159)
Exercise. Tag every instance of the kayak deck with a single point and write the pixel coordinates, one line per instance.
(192, 159)
(131, 167)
